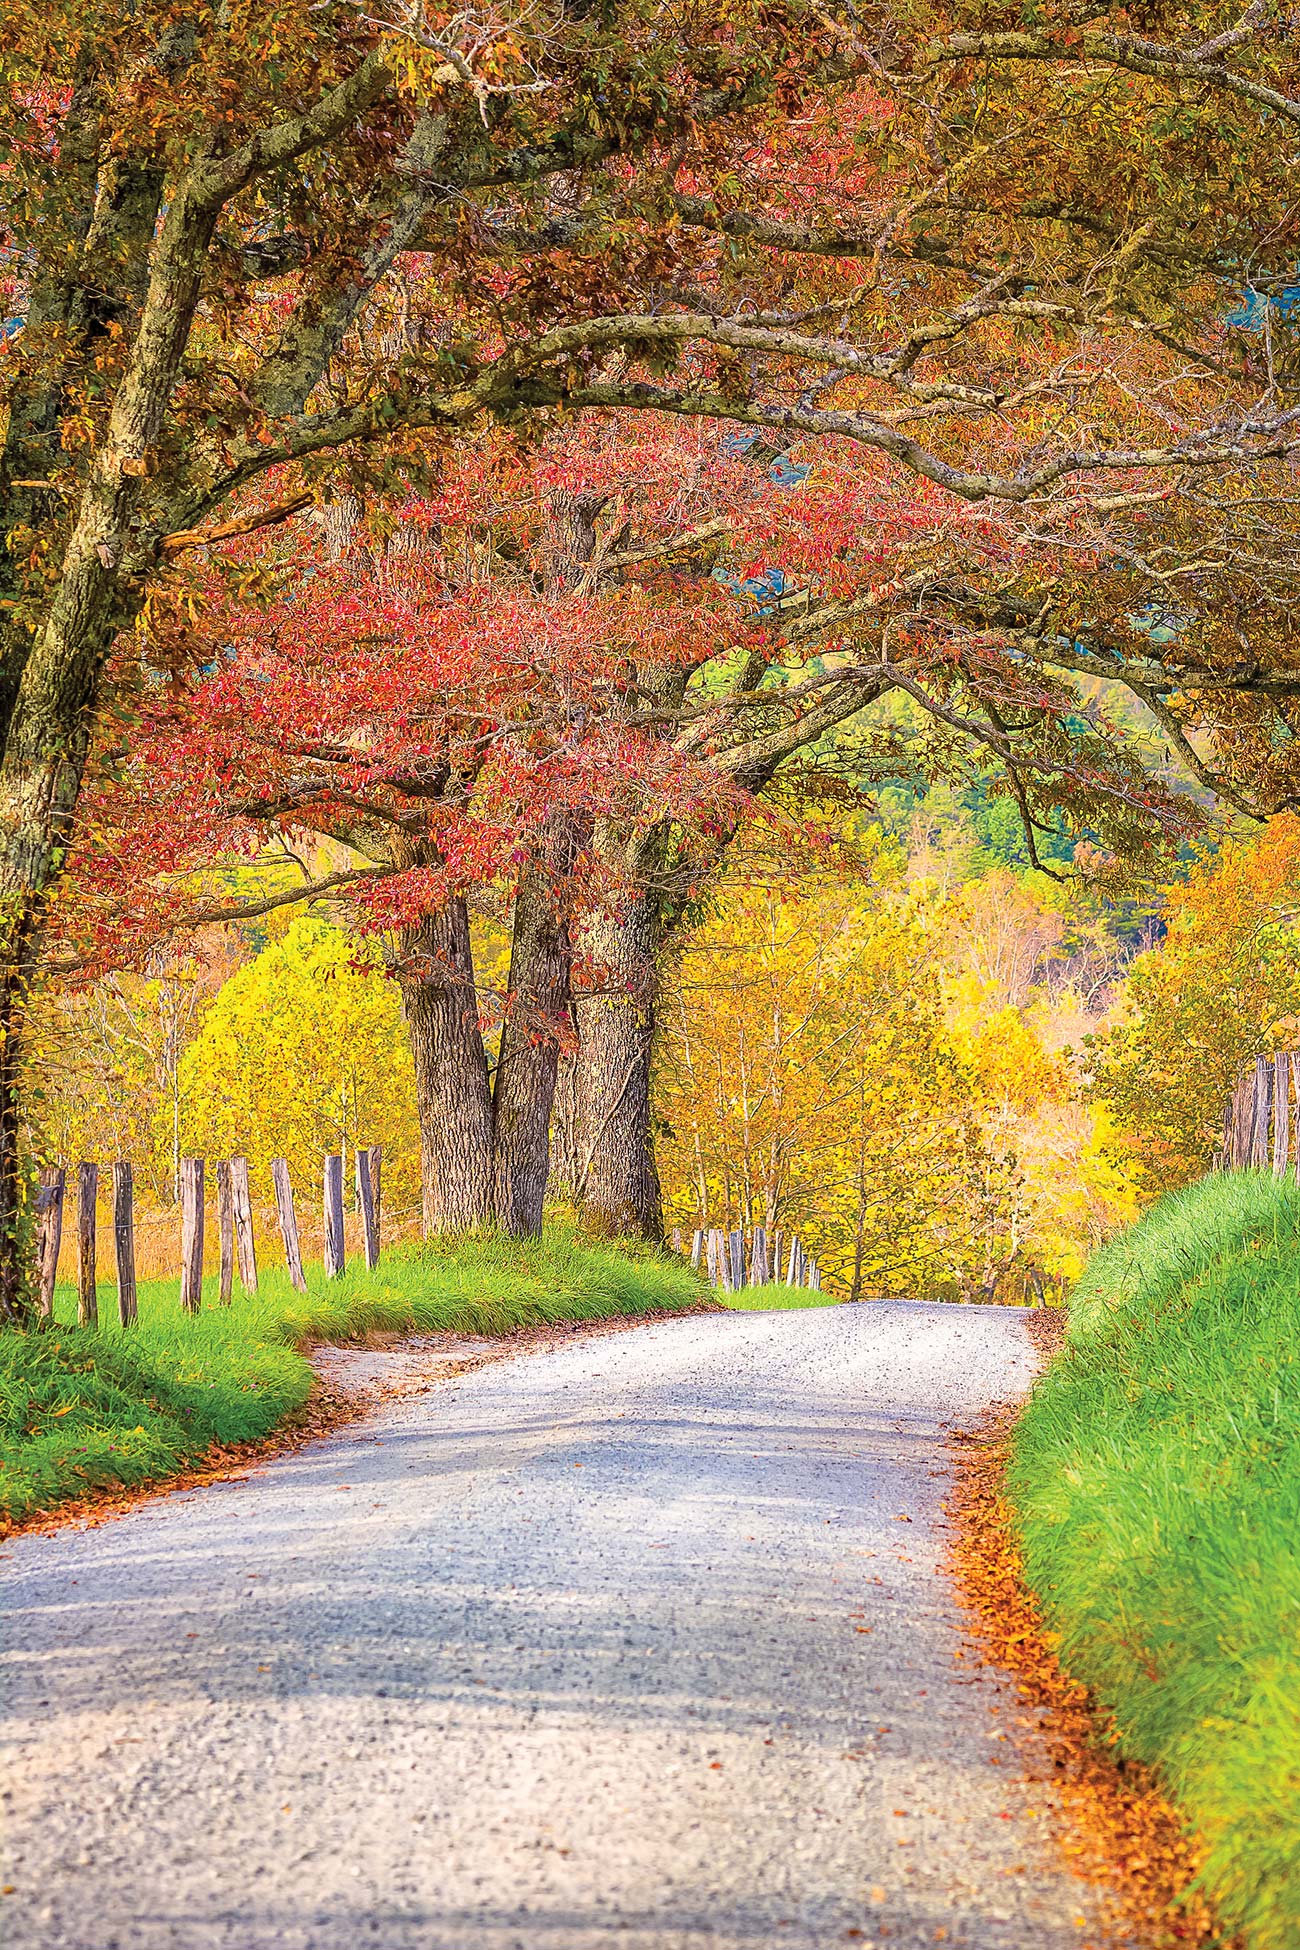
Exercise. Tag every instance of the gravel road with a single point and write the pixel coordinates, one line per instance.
(636, 1642)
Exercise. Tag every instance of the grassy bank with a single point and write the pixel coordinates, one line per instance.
(1156, 1476)
(82, 1410)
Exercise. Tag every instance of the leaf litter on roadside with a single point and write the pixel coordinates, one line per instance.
(1119, 1830)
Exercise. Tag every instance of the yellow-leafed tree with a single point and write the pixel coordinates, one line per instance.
(304, 1052)
(807, 1082)
(1222, 988)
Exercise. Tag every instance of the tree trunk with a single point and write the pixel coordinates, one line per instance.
(452, 1090)
(16, 1299)
(619, 1183)
(537, 1019)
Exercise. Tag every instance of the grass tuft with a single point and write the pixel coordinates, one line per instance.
(1156, 1477)
(82, 1410)
(762, 1299)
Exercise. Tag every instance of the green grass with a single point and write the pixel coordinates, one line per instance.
(1156, 1477)
(83, 1410)
(759, 1299)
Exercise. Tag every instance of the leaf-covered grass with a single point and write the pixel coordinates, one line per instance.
(1156, 1478)
(83, 1410)
(759, 1299)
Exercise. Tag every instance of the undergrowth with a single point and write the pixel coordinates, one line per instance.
(1156, 1478)
(82, 1409)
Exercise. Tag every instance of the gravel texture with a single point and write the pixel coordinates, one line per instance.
(638, 1642)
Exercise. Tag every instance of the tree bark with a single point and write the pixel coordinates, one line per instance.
(565, 1143)
(537, 1021)
(618, 1187)
(453, 1092)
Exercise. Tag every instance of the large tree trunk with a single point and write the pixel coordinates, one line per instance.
(618, 1186)
(537, 1020)
(452, 1089)
(17, 1302)
(40, 777)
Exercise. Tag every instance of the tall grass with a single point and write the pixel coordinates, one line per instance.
(1156, 1475)
(83, 1409)
(763, 1299)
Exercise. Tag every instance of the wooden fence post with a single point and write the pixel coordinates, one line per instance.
(737, 1244)
(1246, 1119)
(1281, 1114)
(758, 1257)
(718, 1275)
(242, 1202)
(792, 1269)
(124, 1240)
(288, 1222)
(376, 1190)
(87, 1291)
(697, 1248)
(366, 1200)
(1260, 1119)
(775, 1244)
(192, 1175)
(49, 1210)
(225, 1230)
(1246, 1124)
(335, 1259)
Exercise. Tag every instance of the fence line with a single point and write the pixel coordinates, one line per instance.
(1261, 1118)
(740, 1256)
(237, 1247)
(750, 1256)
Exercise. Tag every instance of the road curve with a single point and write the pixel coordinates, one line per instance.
(639, 1642)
